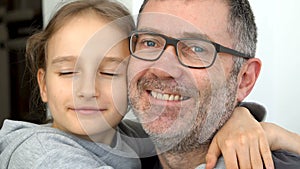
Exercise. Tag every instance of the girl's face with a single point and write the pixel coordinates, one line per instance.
(84, 84)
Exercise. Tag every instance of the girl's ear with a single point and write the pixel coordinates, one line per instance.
(41, 77)
(247, 78)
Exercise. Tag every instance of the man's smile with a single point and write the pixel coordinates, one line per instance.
(166, 96)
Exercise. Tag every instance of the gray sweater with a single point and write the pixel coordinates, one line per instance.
(29, 146)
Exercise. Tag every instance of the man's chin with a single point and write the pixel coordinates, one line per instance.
(166, 127)
(166, 137)
(158, 127)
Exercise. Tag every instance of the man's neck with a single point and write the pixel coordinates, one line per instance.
(179, 160)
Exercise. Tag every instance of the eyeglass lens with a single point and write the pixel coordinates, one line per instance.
(191, 52)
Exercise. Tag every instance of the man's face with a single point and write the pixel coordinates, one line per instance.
(175, 103)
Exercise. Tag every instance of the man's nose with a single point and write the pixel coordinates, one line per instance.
(168, 64)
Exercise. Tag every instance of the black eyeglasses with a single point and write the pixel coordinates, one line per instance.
(191, 52)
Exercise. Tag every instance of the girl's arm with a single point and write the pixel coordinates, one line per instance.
(246, 143)
(281, 139)
(242, 142)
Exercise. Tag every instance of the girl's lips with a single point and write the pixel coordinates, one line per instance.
(88, 111)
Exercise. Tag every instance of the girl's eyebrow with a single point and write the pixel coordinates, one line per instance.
(60, 59)
(113, 59)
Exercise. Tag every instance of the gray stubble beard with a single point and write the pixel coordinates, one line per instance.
(216, 108)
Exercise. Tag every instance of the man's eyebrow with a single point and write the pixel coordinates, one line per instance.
(60, 59)
(147, 29)
(184, 34)
(196, 35)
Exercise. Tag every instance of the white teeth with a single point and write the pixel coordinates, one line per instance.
(159, 96)
(154, 94)
(169, 97)
(165, 97)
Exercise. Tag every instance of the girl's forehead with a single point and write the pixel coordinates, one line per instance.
(90, 36)
(73, 35)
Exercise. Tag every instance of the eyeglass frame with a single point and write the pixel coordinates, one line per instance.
(174, 41)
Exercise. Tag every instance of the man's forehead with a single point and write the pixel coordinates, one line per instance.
(209, 17)
(169, 25)
(190, 8)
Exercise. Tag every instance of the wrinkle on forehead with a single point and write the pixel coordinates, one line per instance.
(206, 16)
(169, 25)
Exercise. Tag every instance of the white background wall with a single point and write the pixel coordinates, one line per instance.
(278, 87)
(278, 44)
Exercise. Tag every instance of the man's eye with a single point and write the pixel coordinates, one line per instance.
(197, 49)
(149, 43)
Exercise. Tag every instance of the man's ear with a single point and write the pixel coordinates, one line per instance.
(41, 77)
(247, 78)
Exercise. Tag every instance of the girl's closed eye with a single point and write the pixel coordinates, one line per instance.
(112, 66)
(67, 73)
(108, 73)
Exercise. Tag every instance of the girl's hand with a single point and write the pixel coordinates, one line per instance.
(242, 142)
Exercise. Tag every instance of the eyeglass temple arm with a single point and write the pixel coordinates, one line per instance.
(224, 49)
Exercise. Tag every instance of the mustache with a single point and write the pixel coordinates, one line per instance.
(169, 85)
